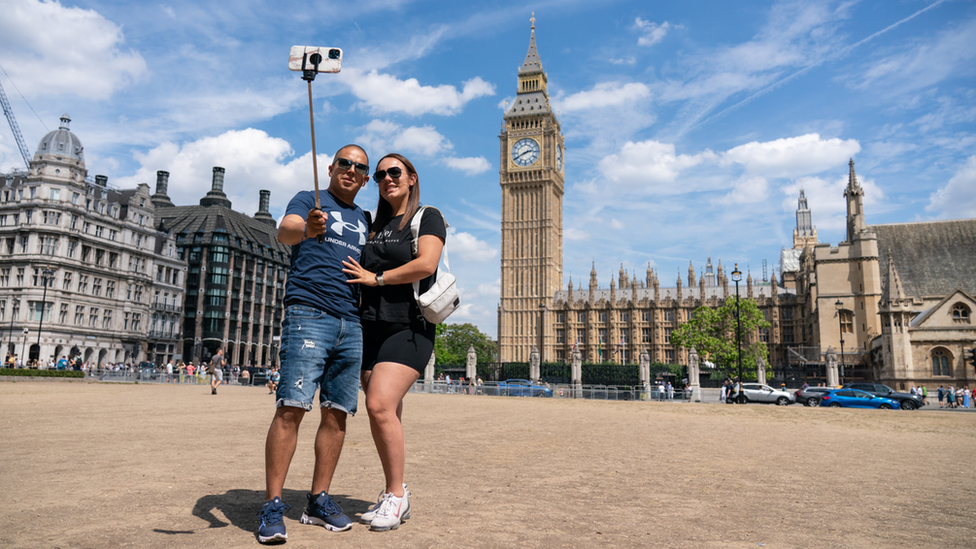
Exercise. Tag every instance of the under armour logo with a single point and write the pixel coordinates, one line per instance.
(341, 225)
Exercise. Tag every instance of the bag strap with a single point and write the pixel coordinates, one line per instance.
(415, 231)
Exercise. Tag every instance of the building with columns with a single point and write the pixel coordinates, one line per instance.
(235, 276)
(79, 260)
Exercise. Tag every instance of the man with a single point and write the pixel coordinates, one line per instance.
(216, 371)
(321, 340)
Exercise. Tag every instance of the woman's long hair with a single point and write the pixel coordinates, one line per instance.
(384, 211)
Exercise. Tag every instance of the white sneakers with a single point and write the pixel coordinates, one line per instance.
(368, 516)
(391, 510)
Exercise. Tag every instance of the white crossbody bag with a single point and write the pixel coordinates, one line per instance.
(442, 298)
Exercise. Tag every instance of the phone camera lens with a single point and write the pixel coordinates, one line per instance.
(334, 53)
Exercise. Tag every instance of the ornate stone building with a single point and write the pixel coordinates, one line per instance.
(896, 298)
(531, 175)
(78, 261)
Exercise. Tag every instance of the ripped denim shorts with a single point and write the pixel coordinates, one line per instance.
(319, 352)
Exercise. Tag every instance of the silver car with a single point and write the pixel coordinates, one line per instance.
(759, 392)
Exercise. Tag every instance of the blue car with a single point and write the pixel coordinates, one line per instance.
(522, 387)
(854, 398)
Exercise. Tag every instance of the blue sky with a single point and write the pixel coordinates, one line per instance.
(690, 126)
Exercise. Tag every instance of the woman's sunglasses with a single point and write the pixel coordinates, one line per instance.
(393, 172)
(346, 164)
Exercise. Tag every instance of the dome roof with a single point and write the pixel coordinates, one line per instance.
(62, 141)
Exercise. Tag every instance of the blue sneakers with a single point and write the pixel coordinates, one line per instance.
(322, 511)
(272, 527)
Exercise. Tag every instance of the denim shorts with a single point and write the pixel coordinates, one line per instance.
(319, 351)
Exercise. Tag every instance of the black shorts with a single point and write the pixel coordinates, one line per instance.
(402, 343)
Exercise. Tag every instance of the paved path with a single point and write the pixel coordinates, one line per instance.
(97, 465)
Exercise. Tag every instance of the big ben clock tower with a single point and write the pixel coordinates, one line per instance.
(532, 162)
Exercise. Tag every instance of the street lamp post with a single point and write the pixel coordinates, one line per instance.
(840, 309)
(24, 348)
(14, 303)
(46, 275)
(736, 277)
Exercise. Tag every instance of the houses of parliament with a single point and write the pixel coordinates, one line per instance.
(894, 302)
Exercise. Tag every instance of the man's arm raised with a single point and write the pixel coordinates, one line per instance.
(294, 229)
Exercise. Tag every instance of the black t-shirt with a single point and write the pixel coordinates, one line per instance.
(390, 248)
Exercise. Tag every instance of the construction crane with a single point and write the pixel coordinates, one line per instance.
(9, 113)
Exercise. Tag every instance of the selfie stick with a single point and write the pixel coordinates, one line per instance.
(308, 75)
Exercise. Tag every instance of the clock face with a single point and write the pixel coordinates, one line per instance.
(559, 158)
(525, 152)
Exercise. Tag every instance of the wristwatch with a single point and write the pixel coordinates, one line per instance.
(379, 278)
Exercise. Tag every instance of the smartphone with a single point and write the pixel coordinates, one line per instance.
(310, 58)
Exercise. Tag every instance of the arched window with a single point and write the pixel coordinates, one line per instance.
(846, 321)
(940, 362)
(960, 313)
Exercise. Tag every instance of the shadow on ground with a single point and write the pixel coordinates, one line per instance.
(241, 508)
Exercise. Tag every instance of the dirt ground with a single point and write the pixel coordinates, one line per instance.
(93, 465)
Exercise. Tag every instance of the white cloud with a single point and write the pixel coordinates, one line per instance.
(470, 165)
(49, 48)
(650, 164)
(253, 160)
(382, 136)
(616, 224)
(383, 93)
(957, 199)
(924, 63)
(604, 94)
(469, 247)
(572, 233)
(747, 191)
(653, 32)
(792, 156)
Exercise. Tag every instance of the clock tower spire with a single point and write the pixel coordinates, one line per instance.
(531, 176)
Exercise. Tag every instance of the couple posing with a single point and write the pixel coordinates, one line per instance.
(349, 302)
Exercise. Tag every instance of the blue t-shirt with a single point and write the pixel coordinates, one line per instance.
(316, 278)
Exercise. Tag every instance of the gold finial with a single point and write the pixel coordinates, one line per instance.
(533, 20)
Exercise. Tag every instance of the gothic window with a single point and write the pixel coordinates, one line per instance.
(580, 335)
(940, 363)
(645, 335)
(669, 316)
(624, 316)
(560, 317)
(667, 335)
(603, 316)
(560, 336)
(669, 356)
(646, 316)
(624, 336)
(786, 313)
(846, 322)
(960, 313)
(79, 314)
(602, 335)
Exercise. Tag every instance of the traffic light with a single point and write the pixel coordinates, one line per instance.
(972, 356)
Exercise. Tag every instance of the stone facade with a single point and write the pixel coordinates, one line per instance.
(78, 261)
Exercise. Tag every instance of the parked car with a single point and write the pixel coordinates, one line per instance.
(811, 395)
(854, 398)
(759, 392)
(522, 387)
(907, 401)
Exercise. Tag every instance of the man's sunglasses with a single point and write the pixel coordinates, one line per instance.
(394, 173)
(346, 164)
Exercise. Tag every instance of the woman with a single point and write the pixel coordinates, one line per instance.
(397, 342)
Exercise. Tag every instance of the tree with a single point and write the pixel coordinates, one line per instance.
(712, 333)
(452, 342)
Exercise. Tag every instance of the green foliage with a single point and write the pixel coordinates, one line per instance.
(452, 341)
(40, 373)
(712, 332)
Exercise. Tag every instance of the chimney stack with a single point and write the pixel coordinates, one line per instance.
(162, 182)
(218, 180)
(216, 196)
(101, 180)
(263, 215)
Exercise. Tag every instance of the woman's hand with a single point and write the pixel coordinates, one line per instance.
(359, 275)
